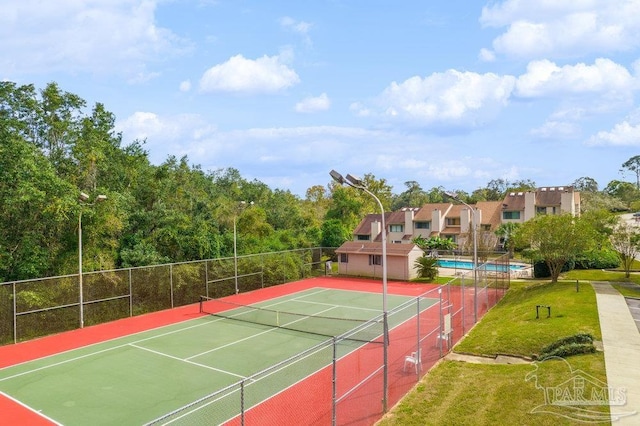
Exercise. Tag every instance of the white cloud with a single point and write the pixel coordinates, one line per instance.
(487, 55)
(554, 129)
(300, 27)
(546, 79)
(185, 86)
(452, 98)
(101, 37)
(165, 132)
(314, 104)
(622, 134)
(268, 74)
(557, 28)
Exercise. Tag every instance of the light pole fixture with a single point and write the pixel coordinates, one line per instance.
(474, 225)
(241, 206)
(356, 183)
(83, 198)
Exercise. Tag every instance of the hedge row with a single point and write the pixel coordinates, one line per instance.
(581, 343)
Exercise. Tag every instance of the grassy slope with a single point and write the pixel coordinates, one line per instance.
(512, 328)
(457, 393)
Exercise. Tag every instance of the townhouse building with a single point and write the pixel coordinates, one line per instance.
(451, 221)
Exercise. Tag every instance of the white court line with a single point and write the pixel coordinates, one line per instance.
(111, 340)
(339, 306)
(55, 364)
(30, 409)
(194, 409)
(249, 337)
(134, 342)
(187, 361)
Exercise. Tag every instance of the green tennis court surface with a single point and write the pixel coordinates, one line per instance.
(135, 379)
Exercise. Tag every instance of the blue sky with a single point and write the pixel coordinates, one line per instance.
(447, 93)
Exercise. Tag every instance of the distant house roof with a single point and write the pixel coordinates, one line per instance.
(514, 201)
(491, 213)
(365, 247)
(364, 227)
(545, 196)
(551, 195)
(395, 218)
(424, 214)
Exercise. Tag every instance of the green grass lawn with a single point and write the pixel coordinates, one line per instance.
(512, 328)
(461, 393)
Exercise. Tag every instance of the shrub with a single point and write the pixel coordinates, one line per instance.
(427, 267)
(541, 270)
(581, 343)
(598, 259)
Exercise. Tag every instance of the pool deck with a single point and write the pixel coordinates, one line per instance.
(525, 272)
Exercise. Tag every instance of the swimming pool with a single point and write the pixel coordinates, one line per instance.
(465, 264)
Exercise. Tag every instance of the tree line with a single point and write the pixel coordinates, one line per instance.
(53, 146)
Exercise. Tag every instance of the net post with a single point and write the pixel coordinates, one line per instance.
(201, 303)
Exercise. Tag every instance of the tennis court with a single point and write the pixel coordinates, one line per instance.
(138, 378)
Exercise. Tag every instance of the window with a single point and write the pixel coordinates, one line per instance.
(541, 210)
(453, 221)
(511, 215)
(423, 225)
(396, 228)
(375, 259)
(363, 237)
(344, 258)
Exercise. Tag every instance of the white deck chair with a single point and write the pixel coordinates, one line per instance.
(412, 360)
(445, 336)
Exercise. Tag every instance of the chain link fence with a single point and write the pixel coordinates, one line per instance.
(341, 381)
(35, 308)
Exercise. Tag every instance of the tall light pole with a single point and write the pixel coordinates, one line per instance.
(235, 243)
(358, 184)
(474, 225)
(83, 198)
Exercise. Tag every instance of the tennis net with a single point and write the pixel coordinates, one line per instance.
(370, 330)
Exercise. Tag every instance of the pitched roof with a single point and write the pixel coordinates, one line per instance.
(394, 218)
(424, 214)
(491, 213)
(365, 247)
(551, 195)
(513, 201)
(545, 196)
(364, 227)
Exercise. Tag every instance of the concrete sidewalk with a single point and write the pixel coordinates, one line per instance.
(621, 342)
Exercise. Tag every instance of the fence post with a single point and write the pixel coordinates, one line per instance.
(171, 282)
(419, 349)
(242, 402)
(334, 390)
(440, 317)
(463, 317)
(15, 315)
(130, 292)
(206, 278)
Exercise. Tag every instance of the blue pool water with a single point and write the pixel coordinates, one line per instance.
(465, 264)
